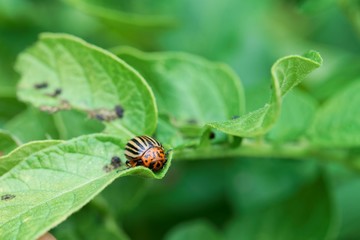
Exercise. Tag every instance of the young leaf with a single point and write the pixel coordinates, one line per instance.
(187, 87)
(337, 122)
(49, 185)
(61, 72)
(286, 73)
(309, 214)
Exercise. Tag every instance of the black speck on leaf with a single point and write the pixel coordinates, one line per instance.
(41, 85)
(192, 121)
(115, 161)
(119, 111)
(99, 117)
(7, 197)
(57, 92)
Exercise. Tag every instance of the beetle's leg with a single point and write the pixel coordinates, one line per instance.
(128, 163)
(139, 162)
(151, 166)
(131, 163)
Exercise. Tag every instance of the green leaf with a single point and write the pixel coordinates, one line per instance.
(337, 122)
(196, 229)
(308, 214)
(61, 72)
(167, 132)
(352, 10)
(7, 142)
(86, 223)
(18, 155)
(9, 107)
(139, 23)
(297, 113)
(260, 183)
(287, 72)
(32, 124)
(49, 185)
(127, 13)
(188, 88)
(72, 124)
(348, 197)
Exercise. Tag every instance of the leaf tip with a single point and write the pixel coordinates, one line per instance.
(314, 56)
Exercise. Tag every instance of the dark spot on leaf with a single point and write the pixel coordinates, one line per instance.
(57, 92)
(99, 117)
(41, 85)
(212, 135)
(235, 117)
(7, 197)
(115, 161)
(192, 121)
(119, 111)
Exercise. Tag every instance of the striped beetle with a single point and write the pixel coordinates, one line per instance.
(145, 151)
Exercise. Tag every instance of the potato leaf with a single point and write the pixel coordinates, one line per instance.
(187, 87)
(337, 122)
(7, 142)
(61, 72)
(47, 186)
(287, 72)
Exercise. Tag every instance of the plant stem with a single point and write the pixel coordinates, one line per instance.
(256, 149)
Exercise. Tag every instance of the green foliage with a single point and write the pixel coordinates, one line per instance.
(72, 172)
(297, 112)
(315, 218)
(189, 90)
(286, 167)
(286, 73)
(7, 142)
(194, 230)
(341, 114)
(58, 61)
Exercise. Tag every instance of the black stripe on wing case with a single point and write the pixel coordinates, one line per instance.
(151, 141)
(133, 151)
(138, 144)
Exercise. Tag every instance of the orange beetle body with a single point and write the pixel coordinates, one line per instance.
(145, 151)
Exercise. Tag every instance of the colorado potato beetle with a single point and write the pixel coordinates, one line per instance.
(145, 151)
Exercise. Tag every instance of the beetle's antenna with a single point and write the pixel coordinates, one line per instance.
(168, 151)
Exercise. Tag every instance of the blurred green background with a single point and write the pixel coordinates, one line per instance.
(253, 198)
